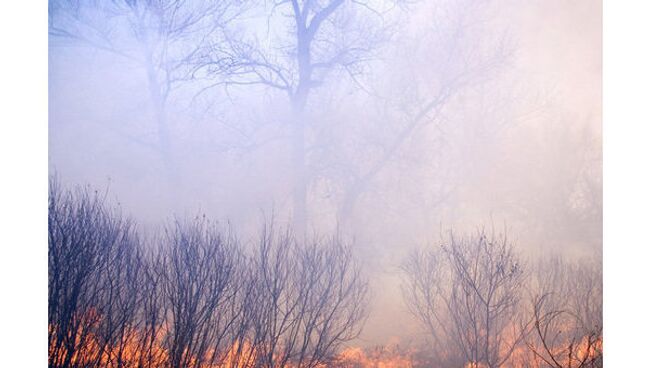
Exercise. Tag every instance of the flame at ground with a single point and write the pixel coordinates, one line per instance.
(351, 357)
(380, 357)
(87, 349)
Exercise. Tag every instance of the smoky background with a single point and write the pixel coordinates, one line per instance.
(441, 115)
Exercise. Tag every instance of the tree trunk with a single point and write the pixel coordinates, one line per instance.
(299, 125)
(300, 176)
(158, 104)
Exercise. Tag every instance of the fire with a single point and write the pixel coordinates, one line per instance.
(129, 352)
(89, 349)
(380, 357)
(475, 365)
(243, 356)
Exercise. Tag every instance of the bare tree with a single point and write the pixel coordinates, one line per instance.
(467, 294)
(325, 37)
(200, 287)
(311, 296)
(566, 309)
(162, 37)
(117, 304)
(151, 328)
(418, 99)
(91, 262)
(192, 297)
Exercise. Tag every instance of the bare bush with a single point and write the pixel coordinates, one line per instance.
(193, 297)
(311, 297)
(152, 311)
(201, 282)
(91, 295)
(467, 294)
(566, 309)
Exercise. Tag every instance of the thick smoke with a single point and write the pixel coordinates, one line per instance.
(415, 118)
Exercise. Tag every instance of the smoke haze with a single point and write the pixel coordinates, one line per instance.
(512, 143)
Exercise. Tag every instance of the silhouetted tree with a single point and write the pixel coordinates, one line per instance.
(162, 37)
(193, 296)
(566, 309)
(417, 98)
(324, 37)
(467, 294)
(92, 302)
(201, 282)
(311, 298)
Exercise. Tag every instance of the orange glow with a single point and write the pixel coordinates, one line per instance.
(129, 352)
(390, 357)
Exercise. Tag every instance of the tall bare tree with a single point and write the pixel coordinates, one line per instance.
(161, 37)
(324, 37)
(431, 67)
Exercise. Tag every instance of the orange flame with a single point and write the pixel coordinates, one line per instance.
(88, 348)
